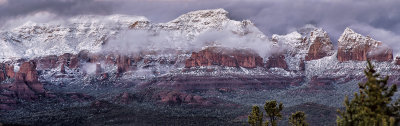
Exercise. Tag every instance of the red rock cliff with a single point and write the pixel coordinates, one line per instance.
(26, 85)
(353, 46)
(321, 45)
(277, 61)
(224, 57)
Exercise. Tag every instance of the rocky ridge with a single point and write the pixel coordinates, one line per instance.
(355, 47)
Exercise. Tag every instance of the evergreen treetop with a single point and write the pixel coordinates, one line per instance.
(372, 105)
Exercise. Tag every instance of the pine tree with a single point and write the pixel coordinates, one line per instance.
(372, 105)
(255, 117)
(298, 119)
(273, 111)
(266, 123)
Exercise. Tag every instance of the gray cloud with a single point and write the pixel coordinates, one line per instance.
(270, 16)
(3, 2)
(18, 8)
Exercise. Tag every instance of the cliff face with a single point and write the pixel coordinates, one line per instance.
(321, 45)
(355, 47)
(2, 73)
(224, 57)
(6, 71)
(26, 84)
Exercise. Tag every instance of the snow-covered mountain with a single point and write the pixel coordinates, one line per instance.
(90, 32)
(191, 32)
(199, 50)
(87, 32)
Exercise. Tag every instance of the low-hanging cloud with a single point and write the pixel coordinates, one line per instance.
(228, 39)
(136, 41)
(63, 8)
(39, 17)
(270, 16)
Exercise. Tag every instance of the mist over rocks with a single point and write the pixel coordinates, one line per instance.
(222, 57)
(192, 32)
(37, 39)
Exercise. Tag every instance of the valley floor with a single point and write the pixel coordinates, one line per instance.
(231, 108)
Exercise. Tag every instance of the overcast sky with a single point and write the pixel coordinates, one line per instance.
(381, 20)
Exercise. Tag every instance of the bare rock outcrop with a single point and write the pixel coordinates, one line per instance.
(355, 47)
(53, 61)
(123, 63)
(9, 69)
(125, 98)
(321, 45)
(26, 85)
(277, 61)
(176, 97)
